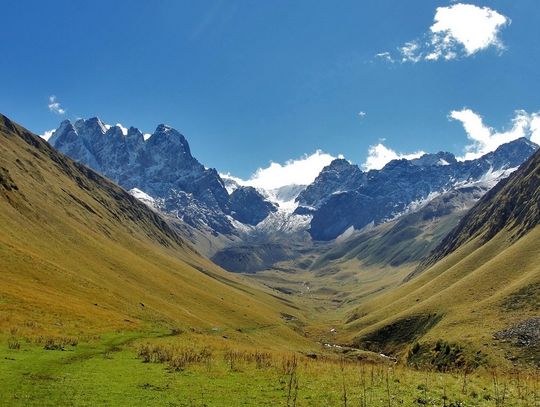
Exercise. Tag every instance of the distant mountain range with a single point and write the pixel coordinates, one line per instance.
(162, 172)
(344, 196)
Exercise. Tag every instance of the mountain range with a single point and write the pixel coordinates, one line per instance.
(344, 196)
(161, 170)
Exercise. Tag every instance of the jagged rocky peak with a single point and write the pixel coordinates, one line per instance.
(249, 206)
(90, 128)
(511, 154)
(339, 175)
(115, 131)
(338, 164)
(167, 137)
(164, 169)
(135, 134)
(440, 158)
(64, 133)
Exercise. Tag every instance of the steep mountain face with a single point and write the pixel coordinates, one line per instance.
(407, 239)
(249, 206)
(343, 195)
(161, 166)
(512, 205)
(337, 177)
(79, 254)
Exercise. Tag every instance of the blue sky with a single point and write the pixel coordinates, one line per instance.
(249, 82)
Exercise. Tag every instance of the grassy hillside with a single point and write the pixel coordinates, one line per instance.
(481, 286)
(331, 279)
(407, 239)
(79, 255)
(513, 206)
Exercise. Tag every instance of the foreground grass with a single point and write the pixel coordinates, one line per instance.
(111, 371)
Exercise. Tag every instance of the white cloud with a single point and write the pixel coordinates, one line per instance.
(302, 171)
(362, 114)
(485, 139)
(410, 52)
(535, 128)
(122, 128)
(54, 106)
(468, 26)
(379, 155)
(459, 30)
(385, 56)
(47, 134)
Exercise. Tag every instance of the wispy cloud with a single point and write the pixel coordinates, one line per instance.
(379, 155)
(54, 105)
(459, 30)
(385, 56)
(411, 52)
(485, 139)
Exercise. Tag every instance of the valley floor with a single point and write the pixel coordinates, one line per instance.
(196, 369)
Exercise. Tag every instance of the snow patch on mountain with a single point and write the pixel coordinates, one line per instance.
(284, 197)
(144, 198)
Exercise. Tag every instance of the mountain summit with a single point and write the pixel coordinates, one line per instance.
(162, 167)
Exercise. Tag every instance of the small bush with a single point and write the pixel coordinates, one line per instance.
(53, 344)
(177, 331)
(154, 353)
(186, 356)
(59, 343)
(13, 343)
(444, 357)
(262, 359)
(176, 358)
(233, 357)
